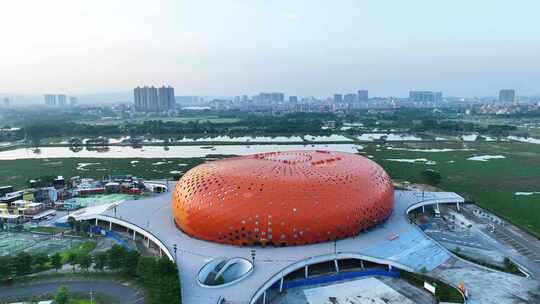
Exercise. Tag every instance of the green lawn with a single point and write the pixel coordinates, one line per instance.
(492, 184)
(83, 248)
(47, 229)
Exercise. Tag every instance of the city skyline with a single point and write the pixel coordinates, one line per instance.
(360, 95)
(305, 48)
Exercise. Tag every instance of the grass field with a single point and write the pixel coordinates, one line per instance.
(491, 183)
(18, 172)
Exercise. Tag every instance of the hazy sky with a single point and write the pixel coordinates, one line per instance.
(309, 47)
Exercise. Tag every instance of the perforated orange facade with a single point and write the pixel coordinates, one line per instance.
(282, 198)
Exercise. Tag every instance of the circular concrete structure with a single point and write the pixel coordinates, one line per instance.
(282, 198)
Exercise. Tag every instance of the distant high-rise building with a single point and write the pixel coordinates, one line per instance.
(425, 96)
(277, 97)
(507, 95)
(73, 101)
(269, 97)
(150, 99)
(166, 98)
(265, 97)
(189, 100)
(350, 98)
(50, 99)
(6, 102)
(62, 100)
(338, 98)
(153, 100)
(293, 99)
(138, 99)
(363, 95)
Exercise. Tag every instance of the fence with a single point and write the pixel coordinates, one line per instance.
(339, 276)
(113, 235)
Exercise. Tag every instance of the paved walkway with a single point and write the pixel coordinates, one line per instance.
(487, 286)
(418, 295)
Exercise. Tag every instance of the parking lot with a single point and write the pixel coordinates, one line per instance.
(477, 233)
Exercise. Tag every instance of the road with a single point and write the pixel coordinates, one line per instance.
(124, 294)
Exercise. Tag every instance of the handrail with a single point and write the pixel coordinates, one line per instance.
(138, 229)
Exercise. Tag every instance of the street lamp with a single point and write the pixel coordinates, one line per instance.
(253, 254)
(175, 248)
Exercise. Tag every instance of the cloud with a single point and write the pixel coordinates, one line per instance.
(291, 16)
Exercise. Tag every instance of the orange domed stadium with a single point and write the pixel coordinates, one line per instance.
(282, 198)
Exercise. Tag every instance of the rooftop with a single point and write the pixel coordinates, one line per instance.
(410, 250)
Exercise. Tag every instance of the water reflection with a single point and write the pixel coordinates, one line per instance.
(99, 149)
(165, 151)
(76, 149)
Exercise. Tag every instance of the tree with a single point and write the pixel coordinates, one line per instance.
(85, 227)
(40, 260)
(115, 257)
(146, 268)
(160, 278)
(62, 296)
(34, 300)
(130, 262)
(6, 267)
(431, 177)
(84, 260)
(168, 281)
(22, 263)
(166, 267)
(72, 222)
(220, 280)
(56, 261)
(72, 258)
(100, 260)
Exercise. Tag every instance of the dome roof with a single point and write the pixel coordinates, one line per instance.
(282, 198)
